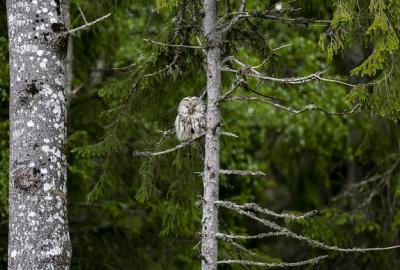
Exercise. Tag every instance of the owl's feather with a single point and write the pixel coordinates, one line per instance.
(191, 119)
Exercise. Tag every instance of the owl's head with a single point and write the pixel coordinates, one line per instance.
(191, 105)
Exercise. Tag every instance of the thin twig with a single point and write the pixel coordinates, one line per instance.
(312, 261)
(309, 107)
(229, 134)
(166, 134)
(174, 45)
(82, 14)
(235, 86)
(84, 27)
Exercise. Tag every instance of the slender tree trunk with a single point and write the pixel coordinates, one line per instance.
(38, 224)
(212, 147)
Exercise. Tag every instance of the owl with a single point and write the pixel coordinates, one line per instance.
(191, 119)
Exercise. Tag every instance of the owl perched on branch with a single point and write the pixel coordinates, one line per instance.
(191, 119)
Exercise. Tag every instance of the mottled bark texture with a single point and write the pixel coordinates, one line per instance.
(212, 147)
(38, 227)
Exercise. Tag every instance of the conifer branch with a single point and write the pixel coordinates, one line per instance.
(311, 261)
(86, 26)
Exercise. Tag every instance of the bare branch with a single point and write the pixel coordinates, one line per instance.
(309, 107)
(239, 246)
(254, 207)
(126, 67)
(267, 15)
(249, 237)
(311, 242)
(229, 134)
(166, 134)
(311, 261)
(235, 86)
(295, 80)
(240, 172)
(174, 45)
(82, 14)
(167, 151)
(242, 5)
(167, 67)
(86, 26)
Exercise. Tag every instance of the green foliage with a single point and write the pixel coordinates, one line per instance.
(166, 4)
(371, 26)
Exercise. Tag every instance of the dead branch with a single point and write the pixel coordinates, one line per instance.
(256, 208)
(175, 148)
(82, 14)
(166, 134)
(288, 233)
(173, 45)
(311, 261)
(267, 15)
(86, 26)
(309, 107)
(167, 151)
(295, 80)
(249, 237)
(241, 172)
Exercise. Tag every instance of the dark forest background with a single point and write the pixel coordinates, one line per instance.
(131, 213)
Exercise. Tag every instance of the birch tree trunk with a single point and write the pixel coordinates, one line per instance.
(38, 225)
(212, 147)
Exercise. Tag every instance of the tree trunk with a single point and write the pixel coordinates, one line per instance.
(38, 224)
(212, 147)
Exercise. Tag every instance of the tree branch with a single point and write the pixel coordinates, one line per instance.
(241, 172)
(175, 148)
(85, 26)
(254, 207)
(311, 261)
(167, 151)
(309, 107)
(249, 237)
(267, 15)
(174, 45)
(295, 80)
(288, 233)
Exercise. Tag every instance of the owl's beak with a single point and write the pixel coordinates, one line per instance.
(190, 110)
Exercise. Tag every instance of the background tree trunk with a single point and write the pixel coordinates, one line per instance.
(212, 147)
(38, 224)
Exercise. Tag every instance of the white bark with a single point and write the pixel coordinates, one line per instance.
(212, 146)
(38, 224)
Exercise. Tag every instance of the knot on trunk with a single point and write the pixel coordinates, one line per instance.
(26, 178)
